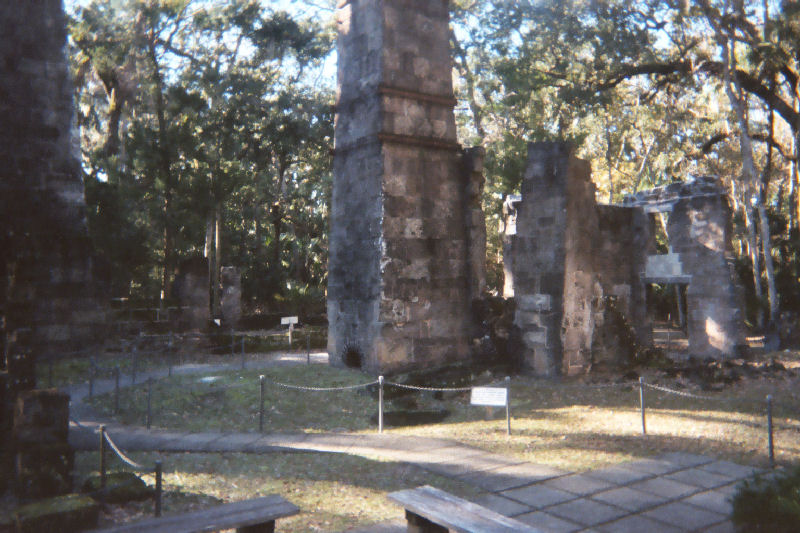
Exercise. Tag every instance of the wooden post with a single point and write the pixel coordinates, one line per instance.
(770, 441)
(508, 405)
(380, 404)
(642, 405)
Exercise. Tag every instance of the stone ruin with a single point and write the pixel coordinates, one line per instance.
(49, 302)
(568, 259)
(408, 237)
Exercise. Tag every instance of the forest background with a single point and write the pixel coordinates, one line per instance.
(206, 127)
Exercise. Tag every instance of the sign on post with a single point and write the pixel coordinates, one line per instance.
(493, 397)
(289, 321)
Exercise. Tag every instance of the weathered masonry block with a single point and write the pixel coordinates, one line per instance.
(406, 229)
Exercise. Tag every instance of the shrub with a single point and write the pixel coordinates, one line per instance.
(769, 503)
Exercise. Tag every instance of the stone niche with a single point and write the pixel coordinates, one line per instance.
(407, 239)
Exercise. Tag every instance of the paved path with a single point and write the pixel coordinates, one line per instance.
(677, 492)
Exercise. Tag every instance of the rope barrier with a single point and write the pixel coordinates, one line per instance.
(429, 389)
(682, 393)
(124, 458)
(322, 389)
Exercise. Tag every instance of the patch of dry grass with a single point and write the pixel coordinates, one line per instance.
(571, 425)
(333, 491)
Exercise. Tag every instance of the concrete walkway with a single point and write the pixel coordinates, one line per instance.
(677, 492)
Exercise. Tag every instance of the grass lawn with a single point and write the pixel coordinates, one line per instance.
(571, 425)
(329, 500)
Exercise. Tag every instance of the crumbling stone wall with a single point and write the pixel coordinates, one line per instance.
(401, 269)
(579, 270)
(623, 242)
(540, 255)
(701, 257)
(231, 297)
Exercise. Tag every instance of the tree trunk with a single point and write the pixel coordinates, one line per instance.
(766, 247)
(115, 106)
(752, 251)
(736, 96)
(215, 277)
(164, 170)
(276, 215)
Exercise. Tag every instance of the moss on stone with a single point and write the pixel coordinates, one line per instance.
(73, 512)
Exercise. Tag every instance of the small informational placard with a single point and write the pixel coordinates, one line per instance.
(492, 396)
(289, 321)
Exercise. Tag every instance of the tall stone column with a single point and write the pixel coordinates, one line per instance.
(398, 285)
(48, 299)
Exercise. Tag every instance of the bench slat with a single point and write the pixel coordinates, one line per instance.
(223, 516)
(455, 513)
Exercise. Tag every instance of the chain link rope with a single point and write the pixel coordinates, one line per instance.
(321, 389)
(428, 389)
(682, 393)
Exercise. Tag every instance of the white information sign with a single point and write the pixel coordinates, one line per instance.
(493, 396)
(289, 321)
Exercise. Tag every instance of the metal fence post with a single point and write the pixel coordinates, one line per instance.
(308, 349)
(642, 404)
(243, 360)
(261, 406)
(508, 405)
(770, 441)
(380, 404)
(91, 382)
(149, 395)
(157, 506)
(116, 389)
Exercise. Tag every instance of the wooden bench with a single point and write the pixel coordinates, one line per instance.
(430, 510)
(249, 516)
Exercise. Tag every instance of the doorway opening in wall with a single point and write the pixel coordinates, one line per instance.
(351, 357)
(667, 308)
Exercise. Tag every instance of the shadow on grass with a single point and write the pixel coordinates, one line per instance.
(649, 445)
(333, 491)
